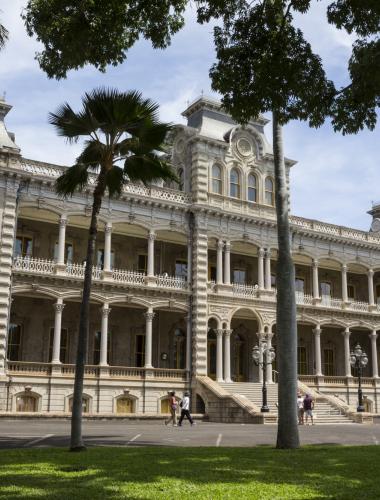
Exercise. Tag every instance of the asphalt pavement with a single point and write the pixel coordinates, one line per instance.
(40, 433)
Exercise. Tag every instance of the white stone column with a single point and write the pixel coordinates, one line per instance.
(149, 315)
(347, 365)
(107, 246)
(219, 355)
(371, 297)
(269, 378)
(344, 283)
(227, 356)
(189, 259)
(219, 262)
(150, 266)
(61, 240)
(227, 263)
(188, 342)
(268, 278)
(260, 268)
(58, 306)
(315, 280)
(104, 336)
(375, 369)
(317, 348)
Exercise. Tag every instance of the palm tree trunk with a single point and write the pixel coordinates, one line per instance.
(77, 443)
(286, 325)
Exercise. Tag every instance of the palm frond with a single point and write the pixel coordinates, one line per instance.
(147, 168)
(92, 154)
(74, 179)
(70, 124)
(115, 179)
(4, 34)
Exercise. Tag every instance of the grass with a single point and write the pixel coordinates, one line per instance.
(191, 473)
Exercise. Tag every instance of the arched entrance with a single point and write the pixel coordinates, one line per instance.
(211, 348)
(244, 326)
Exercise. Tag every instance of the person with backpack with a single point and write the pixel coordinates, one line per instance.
(173, 410)
(185, 410)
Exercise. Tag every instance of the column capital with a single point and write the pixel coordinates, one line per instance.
(105, 310)
(344, 268)
(315, 262)
(317, 330)
(228, 332)
(227, 246)
(373, 335)
(261, 336)
(108, 227)
(268, 253)
(346, 332)
(269, 335)
(261, 252)
(151, 235)
(149, 315)
(219, 332)
(370, 272)
(63, 221)
(59, 306)
(220, 244)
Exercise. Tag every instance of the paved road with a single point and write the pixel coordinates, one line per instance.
(43, 433)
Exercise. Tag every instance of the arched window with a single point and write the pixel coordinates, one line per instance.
(181, 179)
(252, 188)
(26, 403)
(216, 179)
(234, 183)
(125, 405)
(269, 191)
(85, 404)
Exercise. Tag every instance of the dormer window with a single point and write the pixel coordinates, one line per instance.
(252, 188)
(234, 183)
(269, 191)
(216, 179)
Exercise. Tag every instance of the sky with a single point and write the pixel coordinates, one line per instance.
(336, 178)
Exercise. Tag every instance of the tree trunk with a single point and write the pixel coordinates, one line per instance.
(286, 325)
(76, 443)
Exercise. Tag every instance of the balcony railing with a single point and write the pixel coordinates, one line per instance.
(115, 372)
(249, 291)
(48, 267)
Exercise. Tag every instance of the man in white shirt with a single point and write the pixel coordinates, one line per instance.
(300, 409)
(185, 409)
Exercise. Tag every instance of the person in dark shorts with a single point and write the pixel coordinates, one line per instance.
(308, 406)
(185, 409)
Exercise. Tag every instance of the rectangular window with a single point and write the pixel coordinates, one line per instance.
(273, 281)
(300, 285)
(100, 258)
(329, 362)
(351, 291)
(302, 360)
(142, 263)
(181, 269)
(239, 276)
(64, 350)
(212, 273)
(326, 288)
(14, 342)
(96, 350)
(140, 350)
(378, 294)
(23, 246)
(69, 252)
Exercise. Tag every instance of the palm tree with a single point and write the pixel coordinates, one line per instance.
(123, 143)
(4, 34)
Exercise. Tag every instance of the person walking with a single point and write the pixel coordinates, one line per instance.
(173, 410)
(300, 409)
(308, 406)
(185, 409)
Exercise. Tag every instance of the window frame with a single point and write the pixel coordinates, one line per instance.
(63, 349)
(10, 345)
(268, 192)
(218, 180)
(252, 188)
(96, 347)
(68, 243)
(140, 269)
(184, 267)
(23, 238)
(235, 185)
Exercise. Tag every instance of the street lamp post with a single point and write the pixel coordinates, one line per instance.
(359, 360)
(268, 358)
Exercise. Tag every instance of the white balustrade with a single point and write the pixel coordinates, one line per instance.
(242, 290)
(77, 271)
(33, 265)
(28, 367)
(172, 282)
(131, 277)
(356, 305)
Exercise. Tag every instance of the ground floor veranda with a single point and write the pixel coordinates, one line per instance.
(136, 355)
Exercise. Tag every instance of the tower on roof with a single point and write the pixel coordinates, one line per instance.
(7, 139)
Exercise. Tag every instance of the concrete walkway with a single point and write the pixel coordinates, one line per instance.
(44, 433)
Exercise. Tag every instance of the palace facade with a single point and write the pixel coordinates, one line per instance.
(184, 284)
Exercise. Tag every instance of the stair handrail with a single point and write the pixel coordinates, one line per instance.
(337, 403)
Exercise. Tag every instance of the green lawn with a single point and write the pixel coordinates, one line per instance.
(191, 473)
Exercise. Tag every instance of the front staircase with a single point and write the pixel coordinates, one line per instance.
(326, 412)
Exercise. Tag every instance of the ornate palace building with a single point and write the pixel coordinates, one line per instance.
(183, 288)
